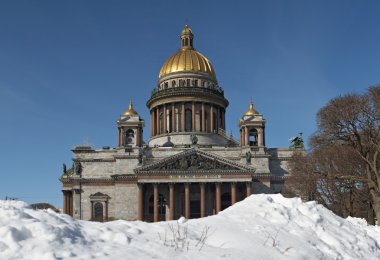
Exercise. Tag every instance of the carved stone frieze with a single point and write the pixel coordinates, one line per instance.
(193, 162)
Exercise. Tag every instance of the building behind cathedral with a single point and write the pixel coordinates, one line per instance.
(189, 167)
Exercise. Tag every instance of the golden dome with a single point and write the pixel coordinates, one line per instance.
(251, 111)
(130, 111)
(187, 59)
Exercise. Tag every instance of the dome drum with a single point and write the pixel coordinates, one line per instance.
(187, 95)
(180, 79)
(186, 117)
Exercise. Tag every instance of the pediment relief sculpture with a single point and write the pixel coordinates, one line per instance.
(194, 162)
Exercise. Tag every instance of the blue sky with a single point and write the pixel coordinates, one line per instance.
(69, 68)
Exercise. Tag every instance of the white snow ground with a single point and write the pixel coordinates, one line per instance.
(260, 227)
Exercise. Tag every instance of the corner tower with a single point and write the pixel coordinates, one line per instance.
(252, 128)
(187, 99)
(130, 127)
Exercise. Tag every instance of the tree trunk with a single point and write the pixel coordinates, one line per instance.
(370, 215)
(376, 204)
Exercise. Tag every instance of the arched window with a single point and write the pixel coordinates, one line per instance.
(215, 119)
(98, 211)
(253, 137)
(188, 120)
(186, 41)
(99, 206)
(173, 84)
(161, 123)
(170, 121)
(129, 135)
(207, 122)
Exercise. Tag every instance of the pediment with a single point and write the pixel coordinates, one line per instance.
(194, 160)
(98, 194)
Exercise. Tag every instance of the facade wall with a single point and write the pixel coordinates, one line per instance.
(88, 190)
(123, 200)
(97, 169)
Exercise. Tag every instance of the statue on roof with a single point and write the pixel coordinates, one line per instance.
(194, 139)
(140, 155)
(248, 157)
(297, 142)
(77, 168)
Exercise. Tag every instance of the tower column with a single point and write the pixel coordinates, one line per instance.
(183, 117)
(119, 141)
(171, 201)
(260, 137)
(138, 137)
(203, 118)
(140, 198)
(233, 193)
(64, 206)
(242, 136)
(217, 119)
(246, 136)
(212, 118)
(193, 116)
(173, 119)
(217, 198)
(157, 121)
(249, 188)
(165, 120)
(203, 200)
(151, 123)
(70, 203)
(187, 201)
(155, 202)
(223, 119)
(240, 132)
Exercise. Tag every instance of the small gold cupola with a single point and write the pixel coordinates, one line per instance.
(130, 128)
(187, 38)
(251, 111)
(130, 111)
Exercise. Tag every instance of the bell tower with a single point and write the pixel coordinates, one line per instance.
(252, 128)
(130, 127)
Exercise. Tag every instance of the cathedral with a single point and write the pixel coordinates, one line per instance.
(189, 167)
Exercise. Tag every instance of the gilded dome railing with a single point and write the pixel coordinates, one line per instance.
(185, 90)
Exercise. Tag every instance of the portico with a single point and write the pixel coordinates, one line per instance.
(172, 200)
(192, 184)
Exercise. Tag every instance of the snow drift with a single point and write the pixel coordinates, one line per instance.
(260, 227)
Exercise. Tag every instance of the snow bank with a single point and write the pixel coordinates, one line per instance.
(260, 227)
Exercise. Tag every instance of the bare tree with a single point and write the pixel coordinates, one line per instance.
(334, 176)
(353, 120)
(303, 179)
